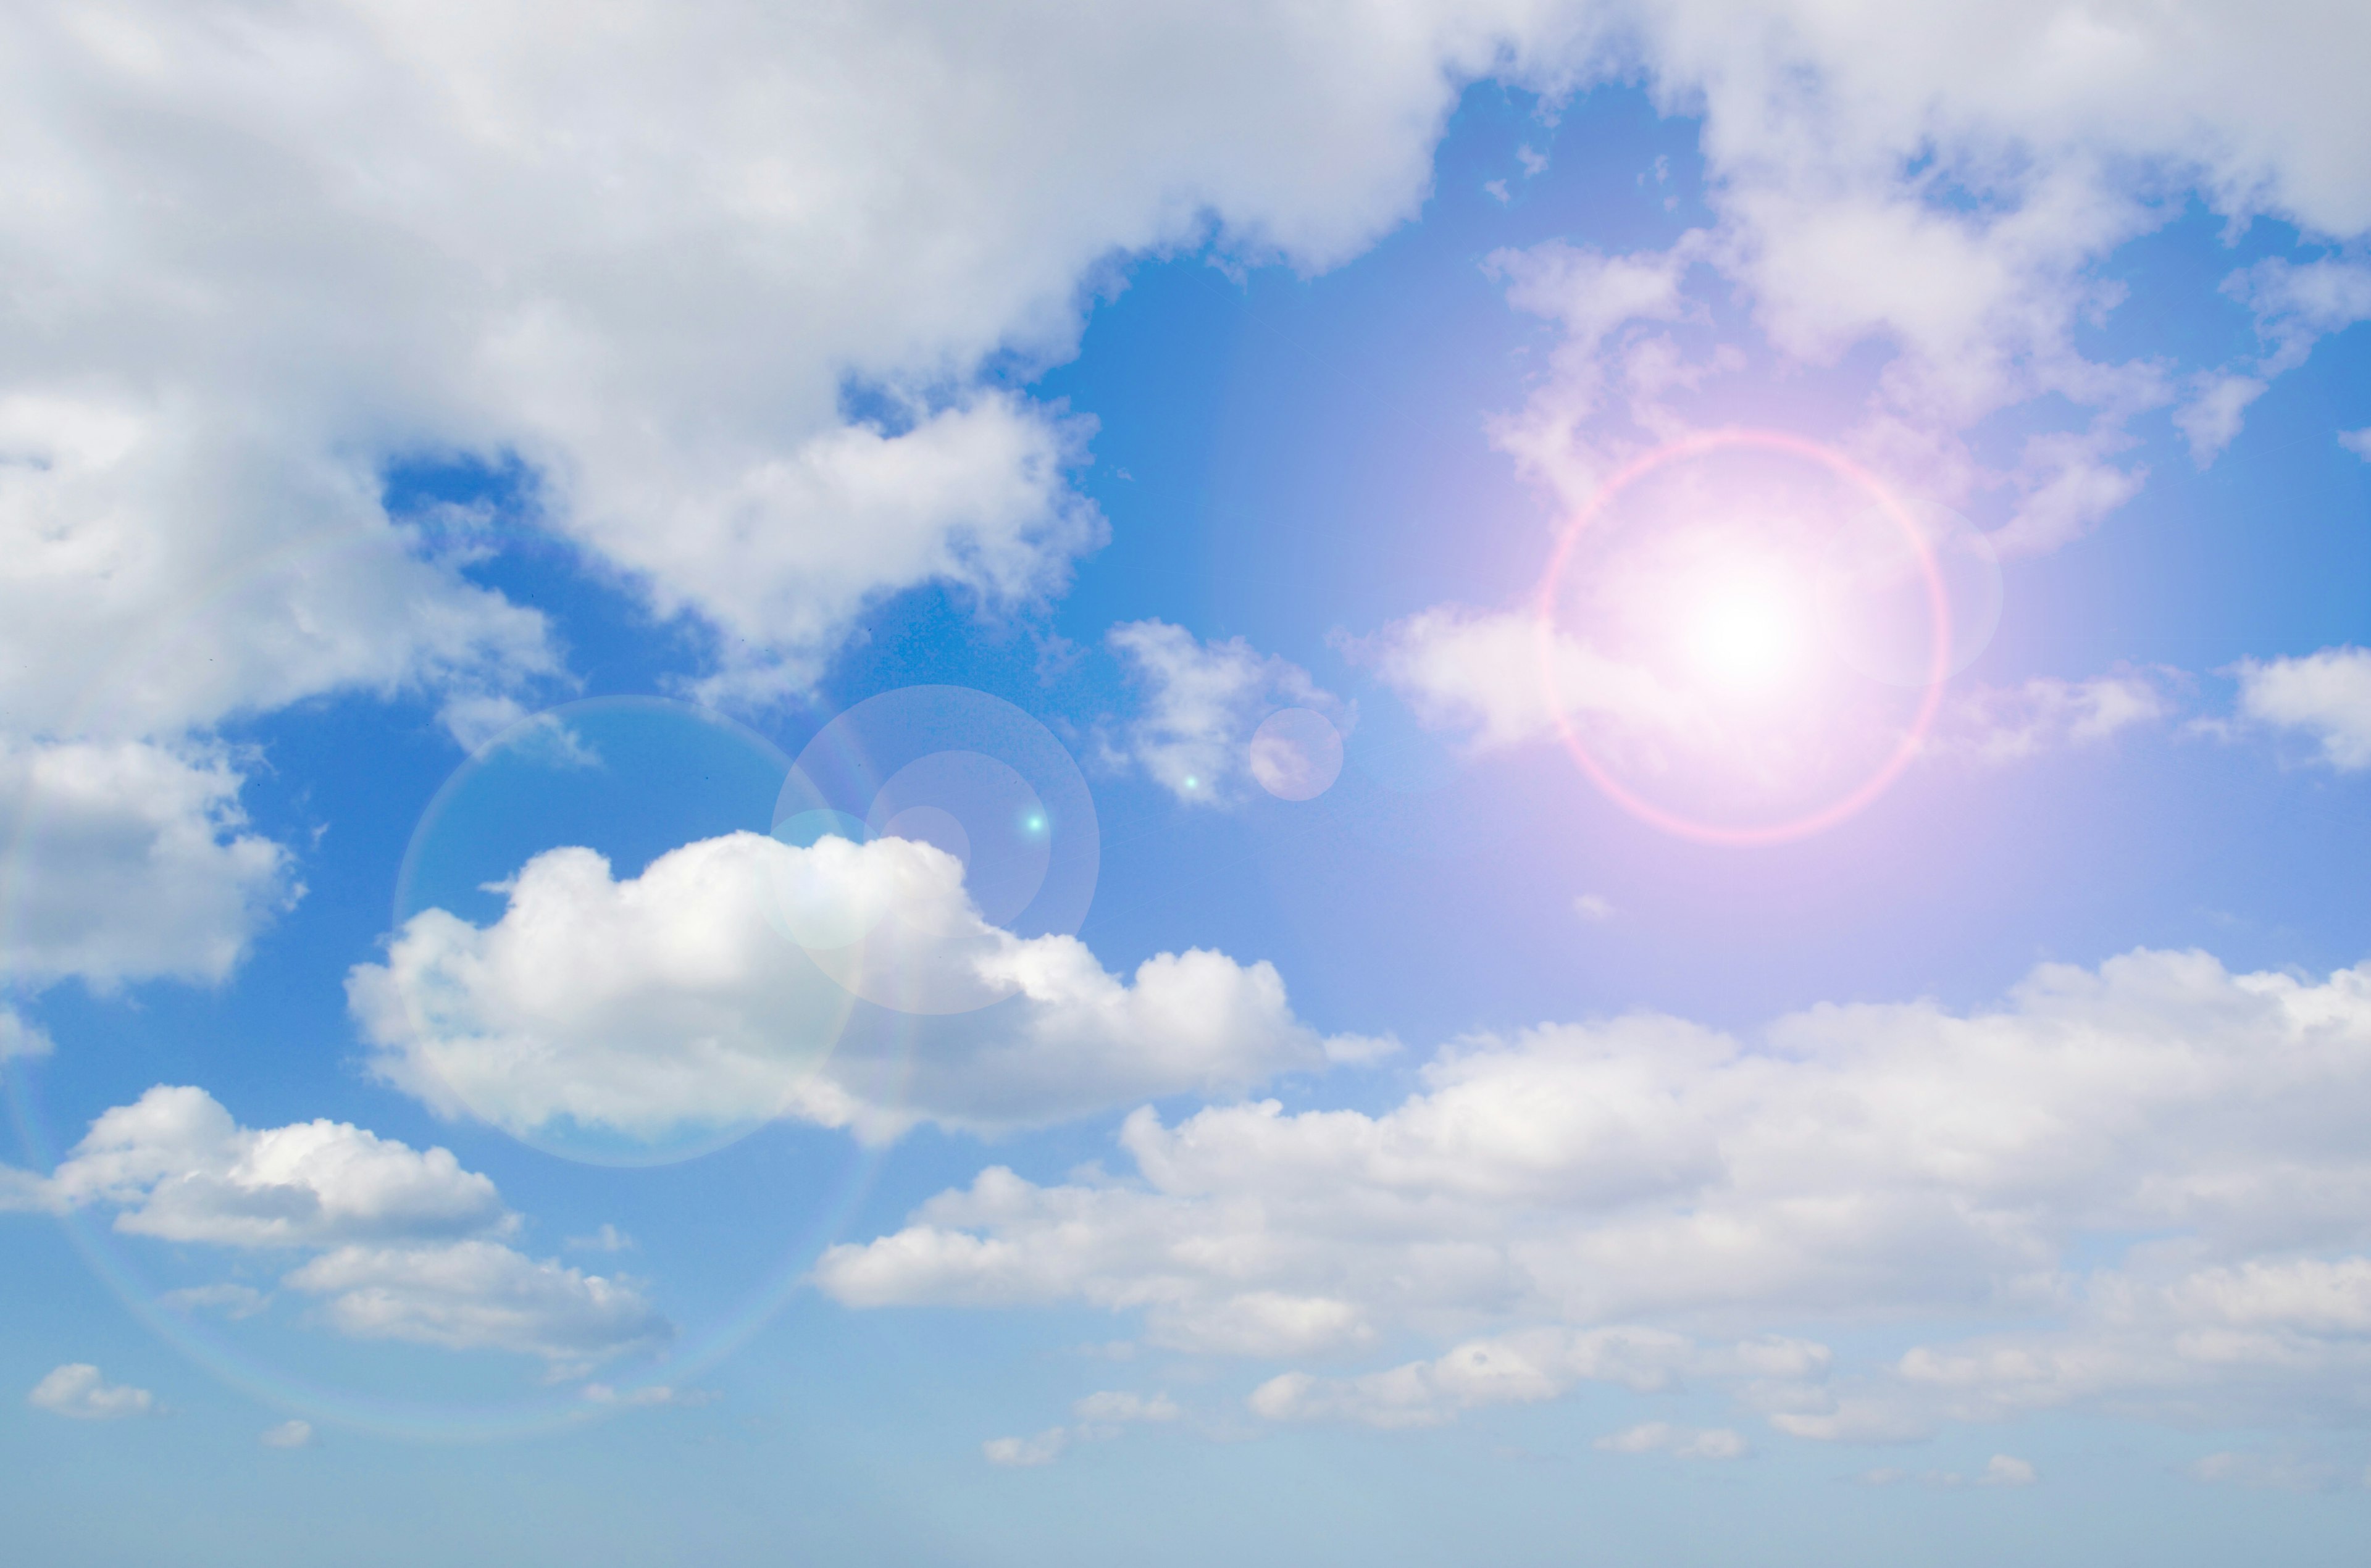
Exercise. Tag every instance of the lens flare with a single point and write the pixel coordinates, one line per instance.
(1688, 636)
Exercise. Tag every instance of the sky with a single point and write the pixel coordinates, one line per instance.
(1491, 781)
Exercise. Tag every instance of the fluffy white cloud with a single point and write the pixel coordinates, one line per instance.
(480, 1295)
(677, 999)
(1631, 1184)
(2326, 694)
(406, 1242)
(264, 250)
(78, 1391)
(132, 861)
(174, 1165)
(1202, 704)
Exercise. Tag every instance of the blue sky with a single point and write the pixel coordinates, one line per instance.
(1281, 1055)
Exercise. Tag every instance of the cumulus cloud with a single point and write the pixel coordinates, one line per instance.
(649, 261)
(407, 1245)
(134, 860)
(480, 1294)
(174, 1165)
(1202, 703)
(77, 1391)
(2326, 694)
(1632, 1188)
(677, 999)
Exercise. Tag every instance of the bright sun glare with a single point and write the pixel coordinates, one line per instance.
(1747, 634)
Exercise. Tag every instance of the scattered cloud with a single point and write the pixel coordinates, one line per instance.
(608, 1239)
(1026, 1453)
(1203, 702)
(2358, 442)
(1594, 907)
(288, 1434)
(406, 1244)
(77, 1391)
(1616, 1186)
(2326, 694)
(1998, 725)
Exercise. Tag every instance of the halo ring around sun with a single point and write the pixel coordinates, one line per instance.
(1939, 663)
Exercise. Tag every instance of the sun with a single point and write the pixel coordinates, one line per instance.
(1746, 633)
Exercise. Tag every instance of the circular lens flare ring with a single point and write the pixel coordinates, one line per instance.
(1939, 663)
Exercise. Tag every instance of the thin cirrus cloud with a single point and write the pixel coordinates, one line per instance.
(397, 1243)
(675, 998)
(1625, 1198)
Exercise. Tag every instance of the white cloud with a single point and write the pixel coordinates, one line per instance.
(1202, 703)
(674, 999)
(2004, 1470)
(1490, 672)
(645, 1397)
(232, 1300)
(2007, 724)
(647, 259)
(1594, 907)
(78, 1391)
(288, 1434)
(20, 1036)
(406, 1243)
(174, 1166)
(2358, 442)
(1026, 1453)
(1680, 1441)
(2266, 1473)
(480, 1295)
(608, 1239)
(1626, 1185)
(2327, 694)
(1114, 1407)
(132, 861)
